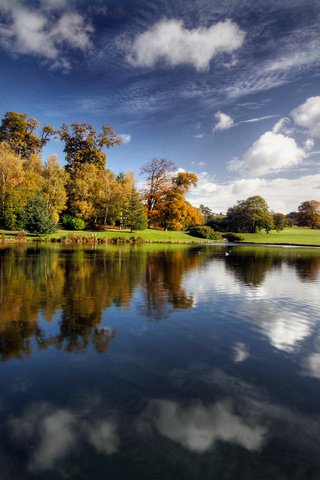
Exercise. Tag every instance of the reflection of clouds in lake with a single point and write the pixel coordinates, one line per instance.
(285, 332)
(55, 432)
(103, 436)
(311, 365)
(199, 427)
(240, 352)
(283, 308)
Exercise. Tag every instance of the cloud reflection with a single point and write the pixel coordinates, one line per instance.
(199, 427)
(55, 432)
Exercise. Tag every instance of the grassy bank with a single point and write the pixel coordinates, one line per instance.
(145, 235)
(288, 236)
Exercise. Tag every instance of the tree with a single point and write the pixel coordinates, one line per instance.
(134, 212)
(54, 187)
(19, 131)
(12, 178)
(37, 218)
(158, 173)
(250, 215)
(175, 213)
(309, 214)
(83, 145)
(206, 213)
(279, 221)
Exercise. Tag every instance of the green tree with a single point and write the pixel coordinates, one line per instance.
(309, 214)
(134, 212)
(22, 134)
(206, 213)
(83, 145)
(279, 221)
(37, 218)
(250, 215)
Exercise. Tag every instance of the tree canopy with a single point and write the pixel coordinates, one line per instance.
(309, 214)
(250, 215)
(22, 134)
(83, 145)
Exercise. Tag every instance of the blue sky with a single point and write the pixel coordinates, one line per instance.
(229, 90)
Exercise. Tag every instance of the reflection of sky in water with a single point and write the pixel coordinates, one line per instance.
(282, 308)
(199, 369)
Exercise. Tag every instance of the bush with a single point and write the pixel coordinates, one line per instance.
(233, 237)
(70, 222)
(203, 231)
(36, 217)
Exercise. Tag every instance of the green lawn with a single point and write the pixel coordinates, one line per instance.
(289, 236)
(148, 235)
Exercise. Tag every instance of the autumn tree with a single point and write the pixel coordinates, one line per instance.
(84, 146)
(54, 187)
(23, 135)
(158, 172)
(175, 213)
(12, 178)
(250, 215)
(309, 214)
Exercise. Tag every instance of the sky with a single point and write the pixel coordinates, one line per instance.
(227, 89)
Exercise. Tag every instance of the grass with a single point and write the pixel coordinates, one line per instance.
(147, 235)
(288, 236)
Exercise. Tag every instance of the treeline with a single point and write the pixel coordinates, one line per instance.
(253, 214)
(36, 195)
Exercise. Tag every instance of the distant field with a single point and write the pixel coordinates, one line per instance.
(289, 236)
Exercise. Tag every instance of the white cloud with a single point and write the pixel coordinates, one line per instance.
(282, 194)
(34, 32)
(199, 135)
(125, 138)
(170, 41)
(224, 121)
(271, 153)
(281, 126)
(307, 116)
(199, 427)
(257, 119)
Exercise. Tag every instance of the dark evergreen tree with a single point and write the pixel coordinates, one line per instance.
(134, 212)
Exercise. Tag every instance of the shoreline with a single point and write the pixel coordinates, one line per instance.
(91, 241)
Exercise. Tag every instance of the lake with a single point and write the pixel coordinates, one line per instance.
(159, 362)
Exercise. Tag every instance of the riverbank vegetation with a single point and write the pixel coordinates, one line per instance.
(43, 198)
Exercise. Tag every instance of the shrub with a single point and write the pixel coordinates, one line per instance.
(203, 231)
(73, 223)
(233, 237)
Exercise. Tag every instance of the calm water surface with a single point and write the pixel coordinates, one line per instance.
(160, 363)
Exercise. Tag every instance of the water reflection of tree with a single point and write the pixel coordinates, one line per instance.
(80, 285)
(306, 268)
(251, 269)
(163, 288)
